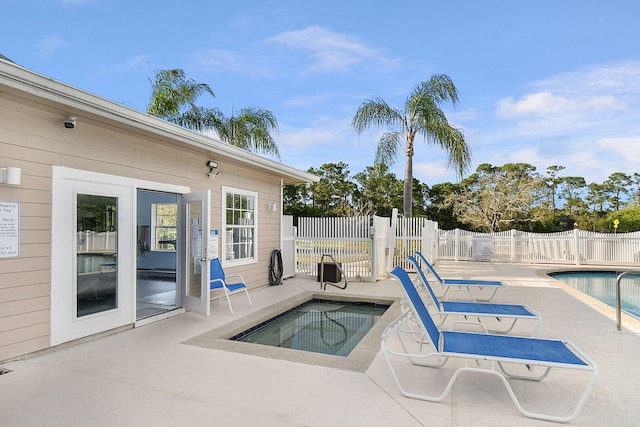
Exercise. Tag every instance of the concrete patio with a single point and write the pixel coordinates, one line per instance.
(148, 376)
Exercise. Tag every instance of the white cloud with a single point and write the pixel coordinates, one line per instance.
(624, 148)
(219, 59)
(428, 172)
(136, 63)
(305, 101)
(545, 103)
(50, 45)
(326, 140)
(621, 79)
(330, 51)
(322, 132)
(585, 120)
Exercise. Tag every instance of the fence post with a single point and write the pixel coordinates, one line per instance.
(429, 241)
(392, 238)
(374, 262)
(513, 245)
(456, 245)
(576, 239)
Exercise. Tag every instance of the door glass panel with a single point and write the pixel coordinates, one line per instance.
(156, 285)
(96, 254)
(194, 250)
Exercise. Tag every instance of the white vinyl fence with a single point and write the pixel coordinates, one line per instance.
(568, 247)
(346, 239)
(368, 247)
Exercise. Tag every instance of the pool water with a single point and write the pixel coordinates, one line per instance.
(319, 326)
(602, 286)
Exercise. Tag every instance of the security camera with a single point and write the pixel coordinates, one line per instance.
(212, 164)
(70, 122)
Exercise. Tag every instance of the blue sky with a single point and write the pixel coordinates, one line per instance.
(546, 82)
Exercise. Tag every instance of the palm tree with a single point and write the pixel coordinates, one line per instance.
(250, 129)
(174, 96)
(421, 116)
(172, 92)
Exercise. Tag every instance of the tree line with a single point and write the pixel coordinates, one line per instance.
(493, 198)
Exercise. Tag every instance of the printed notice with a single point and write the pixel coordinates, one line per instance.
(482, 248)
(9, 229)
(213, 243)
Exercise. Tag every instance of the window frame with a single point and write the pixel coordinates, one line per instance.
(155, 226)
(229, 227)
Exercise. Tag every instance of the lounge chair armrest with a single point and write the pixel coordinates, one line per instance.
(216, 280)
(233, 276)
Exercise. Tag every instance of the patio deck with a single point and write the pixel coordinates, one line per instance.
(148, 377)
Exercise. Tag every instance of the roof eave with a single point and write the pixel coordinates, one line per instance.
(20, 78)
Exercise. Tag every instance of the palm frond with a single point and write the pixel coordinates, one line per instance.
(200, 119)
(388, 146)
(251, 130)
(375, 112)
(173, 91)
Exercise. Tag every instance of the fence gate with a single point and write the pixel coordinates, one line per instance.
(405, 238)
(288, 247)
(348, 240)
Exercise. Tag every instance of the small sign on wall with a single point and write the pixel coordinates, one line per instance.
(9, 229)
(213, 243)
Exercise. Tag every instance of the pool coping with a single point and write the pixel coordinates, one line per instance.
(629, 322)
(358, 360)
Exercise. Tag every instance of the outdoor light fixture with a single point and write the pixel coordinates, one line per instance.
(10, 176)
(69, 122)
(212, 165)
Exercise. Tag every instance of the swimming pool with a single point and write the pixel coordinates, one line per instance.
(602, 286)
(318, 325)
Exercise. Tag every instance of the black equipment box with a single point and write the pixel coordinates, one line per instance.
(332, 272)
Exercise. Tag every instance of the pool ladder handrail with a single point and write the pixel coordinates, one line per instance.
(619, 298)
(323, 284)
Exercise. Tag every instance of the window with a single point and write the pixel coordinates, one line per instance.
(164, 231)
(96, 254)
(239, 234)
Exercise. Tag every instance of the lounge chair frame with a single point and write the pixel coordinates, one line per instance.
(510, 312)
(483, 353)
(462, 285)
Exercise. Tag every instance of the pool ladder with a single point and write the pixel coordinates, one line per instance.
(323, 284)
(619, 298)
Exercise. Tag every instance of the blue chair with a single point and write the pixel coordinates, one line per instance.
(465, 285)
(220, 281)
(514, 312)
(527, 358)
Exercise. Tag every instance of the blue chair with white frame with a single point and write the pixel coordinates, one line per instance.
(227, 285)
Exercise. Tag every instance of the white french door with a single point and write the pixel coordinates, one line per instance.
(93, 276)
(195, 226)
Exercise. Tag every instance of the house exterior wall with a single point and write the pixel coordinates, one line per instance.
(33, 138)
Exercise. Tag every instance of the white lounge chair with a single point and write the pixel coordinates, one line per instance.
(465, 285)
(484, 353)
(500, 312)
(218, 280)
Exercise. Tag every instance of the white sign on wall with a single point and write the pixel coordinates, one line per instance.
(213, 244)
(9, 229)
(482, 248)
